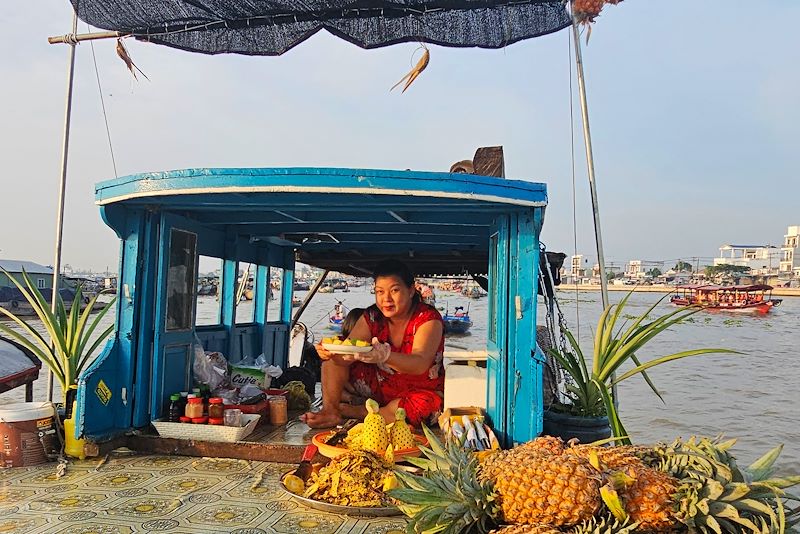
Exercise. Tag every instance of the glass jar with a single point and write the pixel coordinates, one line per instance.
(233, 417)
(215, 408)
(194, 408)
(278, 411)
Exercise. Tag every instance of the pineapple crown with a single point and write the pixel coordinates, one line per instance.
(400, 414)
(372, 406)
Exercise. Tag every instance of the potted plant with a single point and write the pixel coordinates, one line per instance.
(66, 347)
(590, 409)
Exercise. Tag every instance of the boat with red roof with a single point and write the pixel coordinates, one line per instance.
(756, 298)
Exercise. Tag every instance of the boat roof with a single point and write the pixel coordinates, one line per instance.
(711, 287)
(340, 219)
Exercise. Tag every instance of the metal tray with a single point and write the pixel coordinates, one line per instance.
(365, 511)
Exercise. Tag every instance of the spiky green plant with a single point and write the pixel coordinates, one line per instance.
(66, 346)
(716, 496)
(614, 346)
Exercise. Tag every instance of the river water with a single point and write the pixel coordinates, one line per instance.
(752, 396)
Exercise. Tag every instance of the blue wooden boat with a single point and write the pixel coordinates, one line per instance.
(344, 220)
(457, 323)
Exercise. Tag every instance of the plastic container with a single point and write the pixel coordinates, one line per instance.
(27, 433)
(215, 408)
(216, 421)
(199, 420)
(195, 408)
(278, 411)
(185, 419)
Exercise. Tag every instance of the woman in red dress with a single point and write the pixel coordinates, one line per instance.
(404, 368)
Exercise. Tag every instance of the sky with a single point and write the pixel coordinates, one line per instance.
(693, 107)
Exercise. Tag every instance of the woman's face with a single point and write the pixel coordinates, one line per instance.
(393, 296)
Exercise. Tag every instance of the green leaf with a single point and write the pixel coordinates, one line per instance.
(763, 467)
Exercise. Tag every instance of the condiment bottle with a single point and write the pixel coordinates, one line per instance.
(184, 400)
(215, 408)
(194, 409)
(175, 411)
(278, 411)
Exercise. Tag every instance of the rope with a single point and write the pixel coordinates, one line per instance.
(70, 39)
(574, 194)
(103, 106)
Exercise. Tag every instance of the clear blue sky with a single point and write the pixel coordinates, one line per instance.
(693, 105)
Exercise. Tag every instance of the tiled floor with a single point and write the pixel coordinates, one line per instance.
(172, 494)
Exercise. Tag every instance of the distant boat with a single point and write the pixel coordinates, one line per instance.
(301, 285)
(337, 317)
(458, 323)
(296, 302)
(473, 292)
(739, 299)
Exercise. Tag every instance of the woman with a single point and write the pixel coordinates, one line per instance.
(403, 369)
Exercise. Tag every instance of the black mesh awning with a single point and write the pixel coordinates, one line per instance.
(271, 28)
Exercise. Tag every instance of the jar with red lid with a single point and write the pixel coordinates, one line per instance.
(185, 419)
(199, 420)
(194, 408)
(216, 421)
(215, 408)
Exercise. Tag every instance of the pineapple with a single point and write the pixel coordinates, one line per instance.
(544, 444)
(648, 498)
(610, 458)
(524, 488)
(374, 436)
(401, 436)
(525, 529)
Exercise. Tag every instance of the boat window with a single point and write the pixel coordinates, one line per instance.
(181, 279)
(274, 304)
(493, 277)
(245, 291)
(209, 272)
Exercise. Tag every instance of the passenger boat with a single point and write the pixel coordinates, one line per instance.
(740, 299)
(452, 224)
(457, 323)
(336, 319)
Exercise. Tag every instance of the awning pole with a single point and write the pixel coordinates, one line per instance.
(308, 298)
(587, 141)
(62, 187)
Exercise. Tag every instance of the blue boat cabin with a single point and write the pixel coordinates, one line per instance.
(344, 220)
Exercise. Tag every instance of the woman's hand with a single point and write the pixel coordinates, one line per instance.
(378, 355)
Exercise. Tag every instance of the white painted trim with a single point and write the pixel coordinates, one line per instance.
(302, 189)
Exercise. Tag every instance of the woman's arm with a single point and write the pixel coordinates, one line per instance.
(423, 353)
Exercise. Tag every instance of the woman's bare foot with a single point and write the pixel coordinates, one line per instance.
(350, 411)
(324, 418)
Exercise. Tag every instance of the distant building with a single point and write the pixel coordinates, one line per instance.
(790, 252)
(41, 275)
(634, 269)
(758, 257)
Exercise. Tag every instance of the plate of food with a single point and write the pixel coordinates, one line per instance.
(334, 451)
(354, 483)
(347, 346)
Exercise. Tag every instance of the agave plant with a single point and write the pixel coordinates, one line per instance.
(590, 394)
(67, 346)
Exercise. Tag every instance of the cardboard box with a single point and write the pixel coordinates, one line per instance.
(475, 413)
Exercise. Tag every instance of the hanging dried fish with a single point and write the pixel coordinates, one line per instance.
(123, 54)
(416, 71)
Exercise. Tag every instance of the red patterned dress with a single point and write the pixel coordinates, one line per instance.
(421, 396)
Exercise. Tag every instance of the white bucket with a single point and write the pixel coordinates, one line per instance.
(27, 433)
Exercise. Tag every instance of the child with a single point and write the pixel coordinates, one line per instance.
(350, 321)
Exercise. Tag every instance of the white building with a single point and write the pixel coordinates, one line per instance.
(634, 269)
(790, 252)
(760, 258)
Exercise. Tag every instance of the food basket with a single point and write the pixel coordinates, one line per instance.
(191, 431)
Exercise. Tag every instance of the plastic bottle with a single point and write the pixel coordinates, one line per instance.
(175, 411)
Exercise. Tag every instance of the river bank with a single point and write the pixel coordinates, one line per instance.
(777, 292)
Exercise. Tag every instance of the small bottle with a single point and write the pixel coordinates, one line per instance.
(215, 408)
(175, 408)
